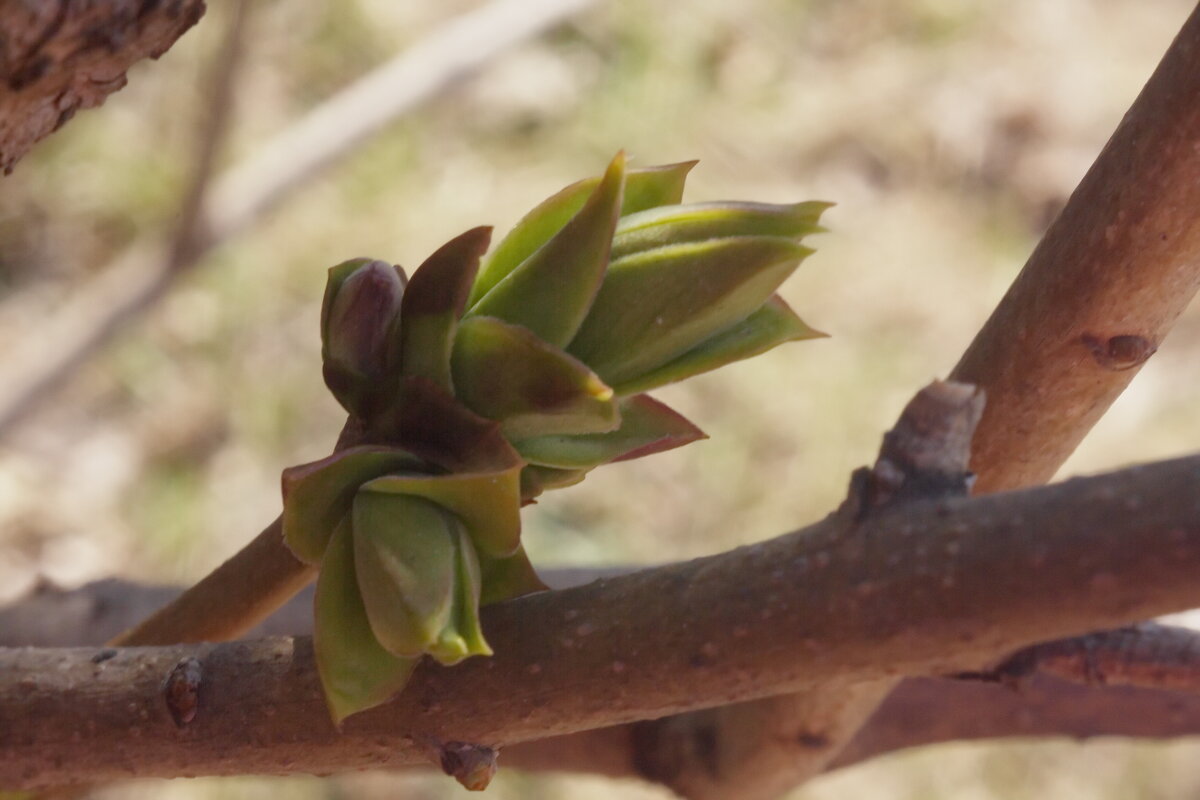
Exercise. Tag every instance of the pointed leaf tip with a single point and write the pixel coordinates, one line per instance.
(657, 304)
(551, 291)
(770, 326)
(356, 672)
(646, 187)
(647, 427)
(434, 302)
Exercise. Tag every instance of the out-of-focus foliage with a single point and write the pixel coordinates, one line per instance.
(948, 132)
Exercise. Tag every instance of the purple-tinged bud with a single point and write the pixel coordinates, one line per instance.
(359, 331)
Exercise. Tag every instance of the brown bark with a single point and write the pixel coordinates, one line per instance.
(1100, 292)
(256, 581)
(925, 588)
(925, 711)
(764, 748)
(59, 56)
(1139, 682)
(1140, 655)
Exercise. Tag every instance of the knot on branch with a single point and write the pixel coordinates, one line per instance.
(926, 455)
(472, 765)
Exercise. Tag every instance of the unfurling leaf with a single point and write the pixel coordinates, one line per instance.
(658, 304)
(551, 291)
(411, 557)
(644, 188)
(317, 496)
(434, 302)
(698, 222)
(772, 325)
(504, 372)
(647, 426)
(488, 503)
(356, 672)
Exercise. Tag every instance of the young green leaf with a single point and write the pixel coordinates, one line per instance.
(658, 304)
(647, 426)
(506, 578)
(551, 291)
(644, 188)
(356, 672)
(463, 637)
(488, 503)
(434, 301)
(318, 495)
(506, 373)
(697, 222)
(768, 327)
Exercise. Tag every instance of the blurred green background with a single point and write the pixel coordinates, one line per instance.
(948, 133)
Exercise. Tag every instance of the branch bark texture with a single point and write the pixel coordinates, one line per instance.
(59, 56)
(763, 748)
(1111, 275)
(930, 588)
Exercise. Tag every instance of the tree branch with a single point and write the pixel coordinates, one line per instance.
(1097, 296)
(1149, 654)
(57, 57)
(931, 587)
(1100, 292)
(925, 711)
(1149, 692)
(764, 748)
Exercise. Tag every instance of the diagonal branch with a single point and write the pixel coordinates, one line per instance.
(1093, 303)
(766, 747)
(1102, 289)
(930, 587)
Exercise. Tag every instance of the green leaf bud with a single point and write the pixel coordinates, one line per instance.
(412, 560)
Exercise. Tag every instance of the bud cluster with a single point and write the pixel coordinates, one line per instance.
(482, 382)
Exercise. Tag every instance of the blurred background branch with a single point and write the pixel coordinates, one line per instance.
(333, 130)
